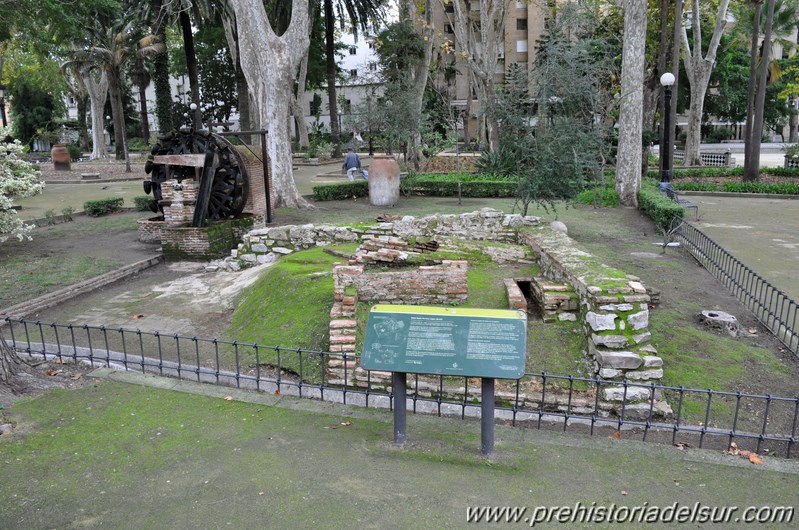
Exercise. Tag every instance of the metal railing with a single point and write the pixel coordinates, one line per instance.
(649, 412)
(775, 309)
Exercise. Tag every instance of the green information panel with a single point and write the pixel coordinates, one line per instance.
(446, 341)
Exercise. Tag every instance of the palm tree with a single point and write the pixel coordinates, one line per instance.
(110, 46)
(358, 13)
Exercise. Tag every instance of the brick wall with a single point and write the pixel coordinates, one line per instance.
(256, 195)
(150, 229)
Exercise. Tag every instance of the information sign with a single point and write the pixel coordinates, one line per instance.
(446, 341)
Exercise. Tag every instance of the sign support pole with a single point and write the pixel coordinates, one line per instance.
(398, 385)
(487, 416)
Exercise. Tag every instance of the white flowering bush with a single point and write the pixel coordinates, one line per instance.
(18, 178)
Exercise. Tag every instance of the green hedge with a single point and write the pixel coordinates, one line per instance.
(443, 185)
(662, 210)
(608, 199)
(447, 185)
(141, 203)
(787, 188)
(103, 206)
(340, 192)
(704, 172)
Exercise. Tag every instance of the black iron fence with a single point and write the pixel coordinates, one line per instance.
(649, 412)
(775, 309)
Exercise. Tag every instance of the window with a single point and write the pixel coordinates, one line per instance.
(521, 24)
(346, 106)
(371, 45)
(521, 46)
(372, 67)
(353, 50)
(448, 28)
(353, 73)
(449, 8)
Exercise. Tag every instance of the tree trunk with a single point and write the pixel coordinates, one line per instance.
(270, 63)
(628, 160)
(694, 136)
(163, 94)
(143, 115)
(191, 66)
(118, 114)
(420, 75)
(83, 129)
(675, 69)
(750, 104)
(793, 122)
(752, 169)
(330, 55)
(698, 70)
(662, 62)
(9, 362)
(98, 92)
(297, 107)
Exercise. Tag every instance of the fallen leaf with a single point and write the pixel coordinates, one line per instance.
(52, 372)
(76, 377)
(682, 446)
(755, 459)
(277, 392)
(137, 316)
(623, 492)
(752, 331)
(346, 423)
(743, 453)
(228, 398)
(59, 361)
(260, 493)
(616, 435)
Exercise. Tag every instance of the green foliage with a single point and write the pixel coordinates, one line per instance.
(470, 185)
(788, 188)
(67, 213)
(340, 192)
(602, 198)
(695, 186)
(141, 203)
(701, 172)
(103, 206)
(500, 162)
(75, 152)
(138, 145)
(49, 218)
(666, 213)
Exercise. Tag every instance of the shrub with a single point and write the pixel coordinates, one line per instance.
(136, 145)
(788, 188)
(695, 186)
(470, 185)
(75, 152)
(49, 217)
(67, 213)
(340, 192)
(141, 203)
(103, 206)
(663, 211)
(607, 198)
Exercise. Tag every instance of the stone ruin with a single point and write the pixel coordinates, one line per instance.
(611, 307)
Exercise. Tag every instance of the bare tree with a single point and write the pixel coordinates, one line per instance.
(270, 64)
(628, 159)
(758, 79)
(94, 81)
(698, 70)
(479, 40)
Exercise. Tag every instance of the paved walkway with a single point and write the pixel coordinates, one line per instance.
(761, 232)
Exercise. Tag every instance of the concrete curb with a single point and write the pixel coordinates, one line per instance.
(95, 181)
(739, 195)
(61, 295)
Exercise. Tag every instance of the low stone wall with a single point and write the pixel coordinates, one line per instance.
(485, 224)
(209, 242)
(149, 230)
(614, 308)
(434, 284)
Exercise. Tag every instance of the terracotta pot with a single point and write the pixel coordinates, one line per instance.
(384, 181)
(61, 158)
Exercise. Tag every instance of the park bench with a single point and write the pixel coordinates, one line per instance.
(685, 203)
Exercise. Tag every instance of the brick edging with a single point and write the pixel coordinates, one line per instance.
(61, 295)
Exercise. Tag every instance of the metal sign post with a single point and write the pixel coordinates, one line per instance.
(462, 342)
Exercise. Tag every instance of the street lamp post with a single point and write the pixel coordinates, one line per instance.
(3, 104)
(196, 120)
(667, 80)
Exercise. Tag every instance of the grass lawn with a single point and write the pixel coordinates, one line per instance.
(124, 455)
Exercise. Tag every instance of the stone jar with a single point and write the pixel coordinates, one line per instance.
(384, 181)
(61, 159)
